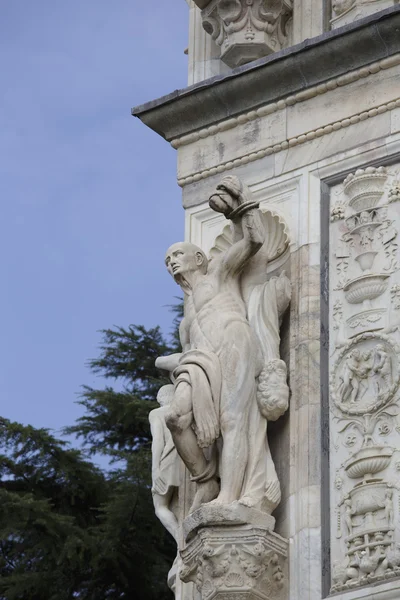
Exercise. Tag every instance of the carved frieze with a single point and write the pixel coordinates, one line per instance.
(247, 29)
(365, 379)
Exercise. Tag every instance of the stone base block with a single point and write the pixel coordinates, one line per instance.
(232, 561)
(231, 514)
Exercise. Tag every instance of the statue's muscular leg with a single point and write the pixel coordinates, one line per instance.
(166, 516)
(179, 420)
(237, 392)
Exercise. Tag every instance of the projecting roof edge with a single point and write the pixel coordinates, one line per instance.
(269, 79)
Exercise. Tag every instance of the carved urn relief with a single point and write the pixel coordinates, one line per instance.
(365, 379)
(247, 29)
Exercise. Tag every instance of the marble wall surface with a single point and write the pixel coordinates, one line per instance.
(306, 155)
(290, 182)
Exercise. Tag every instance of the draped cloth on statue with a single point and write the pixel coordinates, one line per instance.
(266, 305)
(269, 400)
(201, 370)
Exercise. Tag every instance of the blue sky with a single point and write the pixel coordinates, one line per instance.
(89, 200)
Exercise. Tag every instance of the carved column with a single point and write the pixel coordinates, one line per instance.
(364, 379)
(347, 11)
(247, 29)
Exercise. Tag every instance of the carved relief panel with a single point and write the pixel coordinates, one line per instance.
(348, 11)
(364, 378)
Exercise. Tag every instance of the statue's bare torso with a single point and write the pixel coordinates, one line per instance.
(214, 313)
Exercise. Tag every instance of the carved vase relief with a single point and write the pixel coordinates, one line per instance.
(364, 378)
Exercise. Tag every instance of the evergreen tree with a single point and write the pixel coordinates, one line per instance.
(69, 529)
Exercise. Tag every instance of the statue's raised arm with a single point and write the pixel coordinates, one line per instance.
(229, 200)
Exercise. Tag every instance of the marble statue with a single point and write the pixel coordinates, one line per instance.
(229, 379)
(165, 463)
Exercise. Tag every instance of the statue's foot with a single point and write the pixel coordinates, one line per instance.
(249, 502)
(205, 493)
(223, 499)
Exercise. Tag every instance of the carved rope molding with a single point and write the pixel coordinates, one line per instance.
(291, 142)
(268, 109)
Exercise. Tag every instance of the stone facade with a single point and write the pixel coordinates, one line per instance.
(314, 132)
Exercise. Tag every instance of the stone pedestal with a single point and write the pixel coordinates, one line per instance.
(230, 559)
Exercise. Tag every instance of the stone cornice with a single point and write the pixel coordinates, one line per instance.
(268, 109)
(271, 79)
(290, 143)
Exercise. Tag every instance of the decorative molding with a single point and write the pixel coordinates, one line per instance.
(290, 143)
(302, 96)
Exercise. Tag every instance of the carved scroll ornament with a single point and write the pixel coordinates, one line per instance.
(247, 29)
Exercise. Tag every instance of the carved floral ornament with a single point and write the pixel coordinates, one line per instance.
(247, 29)
(245, 565)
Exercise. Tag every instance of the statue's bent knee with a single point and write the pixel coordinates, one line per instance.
(172, 421)
(177, 423)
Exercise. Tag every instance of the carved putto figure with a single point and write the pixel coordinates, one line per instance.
(360, 370)
(165, 463)
(351, 377)
(348, 513)
(382, 369)
(229, 378)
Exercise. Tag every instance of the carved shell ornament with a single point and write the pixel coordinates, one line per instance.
(277, 238)
(366, 374)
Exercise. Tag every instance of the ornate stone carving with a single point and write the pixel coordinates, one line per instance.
(395, 296)
(165, 463)
(371, 553)
(337, 212)
(364, 381)
(165, 468)
(247, 29)
(347, 11)
(241, 562)
(230, 379)
(366, 374)
(394, 192)
(276, 242)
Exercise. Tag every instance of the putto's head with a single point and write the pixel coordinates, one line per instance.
(165, 394)
(184, 258)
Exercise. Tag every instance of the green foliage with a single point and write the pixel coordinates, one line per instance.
(69, 529)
